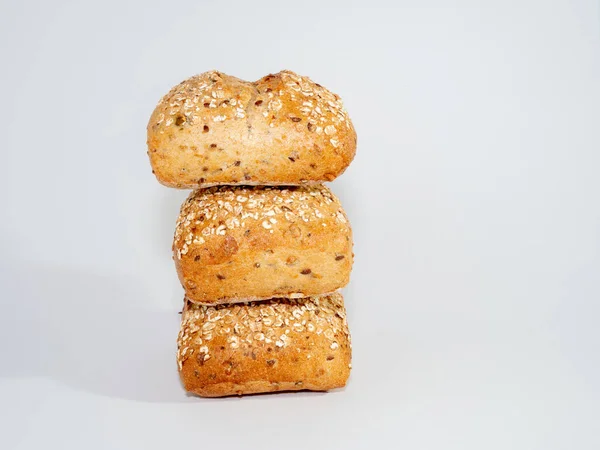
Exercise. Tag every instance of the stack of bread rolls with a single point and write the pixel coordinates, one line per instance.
(261, 246)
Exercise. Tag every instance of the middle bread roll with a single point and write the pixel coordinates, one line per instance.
(236, 244)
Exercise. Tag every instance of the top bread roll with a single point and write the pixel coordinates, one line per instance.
(215, 129)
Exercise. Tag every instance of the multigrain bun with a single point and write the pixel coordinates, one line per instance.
(235, 244)
(275, 345)
(215, 129)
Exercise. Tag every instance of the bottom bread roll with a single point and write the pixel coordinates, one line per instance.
(256, 347)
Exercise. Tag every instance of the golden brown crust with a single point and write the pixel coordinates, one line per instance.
(238, 244)
(215, 129)
(275, 345)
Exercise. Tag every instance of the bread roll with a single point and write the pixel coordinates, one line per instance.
(235, 244)
(276, 345)
(283, 129)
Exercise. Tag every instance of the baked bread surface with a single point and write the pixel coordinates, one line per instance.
(256, 347)
(215, 129)
(235, 244)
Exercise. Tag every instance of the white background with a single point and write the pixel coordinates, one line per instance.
(474, 198)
